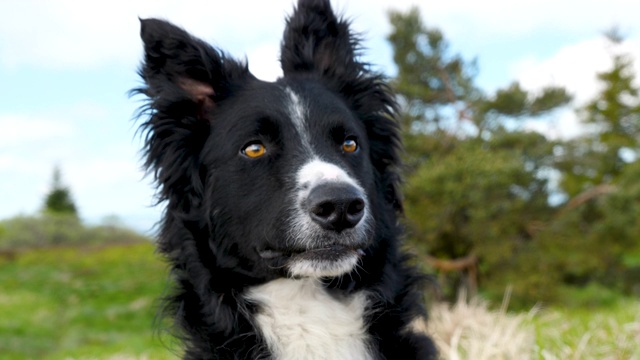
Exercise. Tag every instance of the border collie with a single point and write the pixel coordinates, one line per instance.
(282, 203)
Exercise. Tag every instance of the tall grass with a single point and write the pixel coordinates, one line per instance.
(471, 330)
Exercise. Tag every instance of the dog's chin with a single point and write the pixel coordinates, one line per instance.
(329, 261)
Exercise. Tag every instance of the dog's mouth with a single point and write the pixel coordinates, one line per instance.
(332, 252)
(322, 262)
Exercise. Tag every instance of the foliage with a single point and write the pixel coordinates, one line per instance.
(602, 237)
(598, 226)
(474, 179)
(448, 82)
(478, 184)
(613, 115)
(58, 201)
(59, 229)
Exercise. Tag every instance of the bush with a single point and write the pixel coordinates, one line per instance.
(59, 229)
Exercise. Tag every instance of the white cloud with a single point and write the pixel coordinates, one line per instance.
(88, 34)
(563, 124)
(84, 34)
(573, 67)
(63, 34)
(21, 129)
(491, 20)
(265, 64)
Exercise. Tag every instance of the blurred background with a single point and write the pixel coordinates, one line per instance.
(521, 123)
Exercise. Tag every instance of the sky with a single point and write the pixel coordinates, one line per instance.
(66, 67)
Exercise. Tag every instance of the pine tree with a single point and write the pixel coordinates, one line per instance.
(58, 201)
(614, 116)
(598, 224)
(473, 184)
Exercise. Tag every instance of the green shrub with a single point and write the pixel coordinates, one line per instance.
(59, 229)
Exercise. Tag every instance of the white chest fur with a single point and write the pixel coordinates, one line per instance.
(300, 320)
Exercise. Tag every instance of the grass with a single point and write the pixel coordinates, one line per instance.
(471, 330)
(99, 302)
(612, 333)
(94, 302)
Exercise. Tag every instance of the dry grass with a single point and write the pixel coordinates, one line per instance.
(471, 330)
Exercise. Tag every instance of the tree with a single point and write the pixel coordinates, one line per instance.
(475, 183)
(438, 90)
(597, 226)
(58, 201)
(613, 114)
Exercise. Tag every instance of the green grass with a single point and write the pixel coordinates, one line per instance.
(99, 302)
(94, 302)
(611, 332)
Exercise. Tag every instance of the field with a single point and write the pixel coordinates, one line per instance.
(99, 302)
(95, 302)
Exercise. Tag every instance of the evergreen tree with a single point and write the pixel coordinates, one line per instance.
(595, 233)
(614, 118)
(58, 201)
(474, 184)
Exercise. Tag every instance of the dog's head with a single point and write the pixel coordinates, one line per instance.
(290, 178)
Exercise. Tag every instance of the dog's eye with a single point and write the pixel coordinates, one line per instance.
(349, 145)
(254, 150)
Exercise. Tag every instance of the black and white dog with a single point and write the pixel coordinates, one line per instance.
(281, 220)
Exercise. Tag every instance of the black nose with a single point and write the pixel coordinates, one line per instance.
(336, 207)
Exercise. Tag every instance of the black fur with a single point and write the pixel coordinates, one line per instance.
(203, 106)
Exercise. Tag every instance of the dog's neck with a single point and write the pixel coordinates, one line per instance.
(299, 319)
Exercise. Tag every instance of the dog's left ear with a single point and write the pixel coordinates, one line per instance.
(317, 41)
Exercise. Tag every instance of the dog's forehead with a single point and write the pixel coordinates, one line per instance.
(312, 105)
(299, 104)
(314, 95)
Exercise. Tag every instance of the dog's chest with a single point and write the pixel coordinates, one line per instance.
(300, 320)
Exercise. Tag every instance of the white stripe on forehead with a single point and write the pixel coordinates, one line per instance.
(298, 114)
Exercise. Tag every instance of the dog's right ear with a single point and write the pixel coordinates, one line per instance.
(185, 79)
(180, 67)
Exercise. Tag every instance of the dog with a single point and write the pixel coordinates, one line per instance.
(282, 207)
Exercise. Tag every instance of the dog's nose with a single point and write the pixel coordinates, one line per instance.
(336, 207)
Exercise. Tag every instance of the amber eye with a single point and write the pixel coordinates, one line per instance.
(254, 150)
(349, 145)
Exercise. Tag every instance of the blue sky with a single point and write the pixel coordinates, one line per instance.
(66, 67)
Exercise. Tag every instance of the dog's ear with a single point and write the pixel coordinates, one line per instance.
(180, 68)
(316, 41)
(185, 79)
